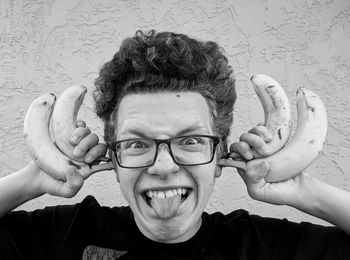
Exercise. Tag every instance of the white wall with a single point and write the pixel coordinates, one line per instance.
(47, 46)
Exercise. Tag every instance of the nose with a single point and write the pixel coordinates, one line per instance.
(164, 164)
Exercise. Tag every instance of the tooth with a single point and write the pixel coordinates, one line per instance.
(174, 192)
(178, 191)
(161, 195)
(169, 194)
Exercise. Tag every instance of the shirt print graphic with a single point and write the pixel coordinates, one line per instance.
(99, 253)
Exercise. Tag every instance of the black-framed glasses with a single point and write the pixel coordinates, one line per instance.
(189, 150)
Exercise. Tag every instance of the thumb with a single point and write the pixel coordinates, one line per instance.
(72, 185)
(255, 179)
(257, 171)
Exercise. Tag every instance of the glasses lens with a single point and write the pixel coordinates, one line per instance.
(192, 150)
(136, 152)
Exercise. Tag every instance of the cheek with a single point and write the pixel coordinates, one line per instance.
(205, 179)
(127, 182)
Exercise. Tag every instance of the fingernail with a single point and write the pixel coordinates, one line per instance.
(78, 152)
(269, 136)
(74, 139)
(248, 155)
(88, 159)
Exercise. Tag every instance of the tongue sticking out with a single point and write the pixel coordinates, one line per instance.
(167, 207)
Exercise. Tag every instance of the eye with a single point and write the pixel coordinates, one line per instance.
(136, 145)
(190, 141)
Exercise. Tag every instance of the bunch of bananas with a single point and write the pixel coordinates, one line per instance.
(289, 156)
(48, 127)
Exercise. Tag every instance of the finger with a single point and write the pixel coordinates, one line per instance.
(95, 153)
(78, 134)
(81, 123)
(85, 144)
(243, 149)
(255, 142)
(261, 131)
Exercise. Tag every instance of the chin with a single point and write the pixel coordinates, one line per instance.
(173, 230)
(169, 235)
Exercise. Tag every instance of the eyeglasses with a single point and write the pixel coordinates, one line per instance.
(187, 150)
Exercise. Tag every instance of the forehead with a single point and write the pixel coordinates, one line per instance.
(163, 114)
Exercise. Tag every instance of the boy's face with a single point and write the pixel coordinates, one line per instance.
(167, 199)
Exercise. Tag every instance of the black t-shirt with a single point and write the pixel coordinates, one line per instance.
(76, 231)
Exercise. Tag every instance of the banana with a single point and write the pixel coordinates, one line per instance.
(64, 118)
(40, 146)
(304, 146)
(276, 110)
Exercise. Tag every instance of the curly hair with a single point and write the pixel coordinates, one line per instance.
(166, 61)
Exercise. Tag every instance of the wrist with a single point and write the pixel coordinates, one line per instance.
(308, 195)
(29, 181)
(303, 196)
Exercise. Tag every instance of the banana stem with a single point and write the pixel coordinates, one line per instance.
(102, 167)
(232, 163)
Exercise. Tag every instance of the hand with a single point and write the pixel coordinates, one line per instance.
(289, 192)
(87, 146)
(45, 183)
(255, 142)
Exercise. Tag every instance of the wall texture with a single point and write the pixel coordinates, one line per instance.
(49, 45)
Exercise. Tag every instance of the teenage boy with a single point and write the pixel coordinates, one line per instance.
(166, 101)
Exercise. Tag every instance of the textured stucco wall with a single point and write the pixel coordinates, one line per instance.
(47, 46)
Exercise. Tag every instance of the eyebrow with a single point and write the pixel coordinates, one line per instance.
(136, 132)
(185, 131)
(191, 129)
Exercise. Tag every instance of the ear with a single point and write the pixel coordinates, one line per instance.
(221, 152)
(114, 161)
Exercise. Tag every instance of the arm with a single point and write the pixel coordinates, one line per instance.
(31, 182)
(303, 192)
(19, 187)
(324, 201)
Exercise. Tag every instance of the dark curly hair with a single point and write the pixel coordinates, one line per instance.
(166, 61)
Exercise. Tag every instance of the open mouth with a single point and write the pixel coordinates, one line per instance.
(166, 194)
(166, 203)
